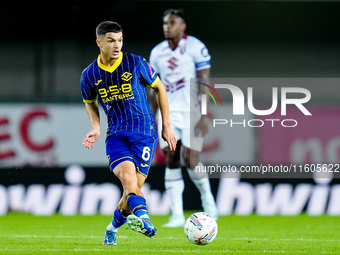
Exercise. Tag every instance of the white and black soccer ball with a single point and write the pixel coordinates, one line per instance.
(200, 228)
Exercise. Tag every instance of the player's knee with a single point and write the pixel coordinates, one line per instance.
(128, 179)
(126, 173)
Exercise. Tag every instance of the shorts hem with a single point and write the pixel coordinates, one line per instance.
(120, 160)
(138, 171)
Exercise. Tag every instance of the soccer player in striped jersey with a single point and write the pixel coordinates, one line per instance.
(118, 82)
(177, 59)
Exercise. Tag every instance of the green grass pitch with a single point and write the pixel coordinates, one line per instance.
(27, 234)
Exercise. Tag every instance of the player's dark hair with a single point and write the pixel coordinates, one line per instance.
(108, 27)
(178, 12)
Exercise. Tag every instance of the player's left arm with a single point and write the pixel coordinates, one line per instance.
(153, 80)
(201, 128)
(162, 100)
(152, 95)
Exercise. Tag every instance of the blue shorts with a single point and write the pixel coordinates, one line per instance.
(131, 146)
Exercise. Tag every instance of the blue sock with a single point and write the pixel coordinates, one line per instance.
(137, 205)
(118, 219)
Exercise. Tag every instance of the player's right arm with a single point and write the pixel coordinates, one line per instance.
(91, 104)
(93, 113)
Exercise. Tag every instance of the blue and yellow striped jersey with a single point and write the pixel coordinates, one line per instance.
(121, 90)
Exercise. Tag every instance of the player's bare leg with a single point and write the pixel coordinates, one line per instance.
(132, 183)
(200, 179)
(134, 201)
(174, 186)
(119, 218)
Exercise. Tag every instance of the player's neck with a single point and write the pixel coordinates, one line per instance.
(173, 42)
(107, 60)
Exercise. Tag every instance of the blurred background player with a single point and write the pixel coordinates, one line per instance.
(118, 81)
(177, 59)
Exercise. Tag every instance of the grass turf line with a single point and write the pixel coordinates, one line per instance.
(27, 234)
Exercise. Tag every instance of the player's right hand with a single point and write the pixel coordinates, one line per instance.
(90, 138)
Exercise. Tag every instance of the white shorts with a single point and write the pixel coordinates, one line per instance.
(180, 124)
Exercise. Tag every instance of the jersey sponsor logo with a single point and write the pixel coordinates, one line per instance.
(173, 86)
(144, 165)
(115, 93)
(126, 76)
(129, 96)
(97, 83)
(172, 61)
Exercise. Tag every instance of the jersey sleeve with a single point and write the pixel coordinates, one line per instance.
(87, 91)
(201, 55)
(148, 73)
(153, 61)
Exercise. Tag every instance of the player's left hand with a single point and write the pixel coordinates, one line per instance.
(201, 128)
(90, 138)
(169, 136)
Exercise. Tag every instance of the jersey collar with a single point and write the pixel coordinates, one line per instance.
(110, 68)
(181, 42)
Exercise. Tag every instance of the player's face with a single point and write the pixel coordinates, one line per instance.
(111, 44)
(173, 27)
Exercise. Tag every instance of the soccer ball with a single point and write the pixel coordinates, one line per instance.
(200, 228)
